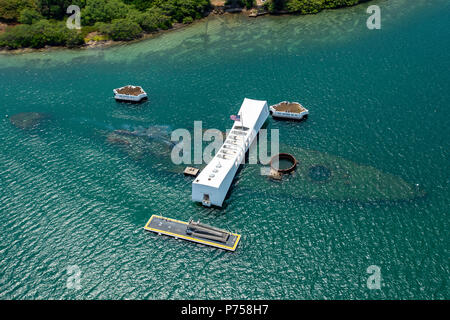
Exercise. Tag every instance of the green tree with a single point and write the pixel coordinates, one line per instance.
(179, 9)
(74, 38)
(275, 5)
(341, 3)
(141, 5)
(249, 3)
(29, 15)
(122, 29)
(40, 34)
(188, 19)
(16, 37)
(10, 9)
(150, 20)
(103, 11)
(305, 6)
(57, 9)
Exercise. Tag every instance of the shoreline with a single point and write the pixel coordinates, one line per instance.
(214, 12)
(99, 44)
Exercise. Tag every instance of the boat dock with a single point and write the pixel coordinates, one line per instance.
(130, 94)
(289, 110)
(212, 184)
(193, 231)
(190, 171)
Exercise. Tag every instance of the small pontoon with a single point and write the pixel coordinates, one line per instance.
(289, 110)
(130, 94)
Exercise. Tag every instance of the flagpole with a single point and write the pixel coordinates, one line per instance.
(243, 140)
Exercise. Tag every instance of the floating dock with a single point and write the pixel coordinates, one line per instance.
(130, 94)
(212, 184)
(190, 171)
(289, 110)
(193, 231)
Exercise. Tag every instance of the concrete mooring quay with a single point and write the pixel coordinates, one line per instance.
(193, 231)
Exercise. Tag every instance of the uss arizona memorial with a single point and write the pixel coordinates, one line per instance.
(212, 184)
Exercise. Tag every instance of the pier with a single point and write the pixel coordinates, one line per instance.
(212, 184)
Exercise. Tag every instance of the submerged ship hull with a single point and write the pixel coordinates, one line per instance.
(318, 175)
(322, 176)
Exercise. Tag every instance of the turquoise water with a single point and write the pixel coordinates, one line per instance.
(376, 98)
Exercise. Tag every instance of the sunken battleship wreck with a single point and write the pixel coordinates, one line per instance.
(317, 175)
(28, 120)
(325, 177)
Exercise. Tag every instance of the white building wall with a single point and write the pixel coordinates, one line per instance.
(217, 193)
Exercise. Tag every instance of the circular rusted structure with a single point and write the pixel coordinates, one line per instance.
(286, 158)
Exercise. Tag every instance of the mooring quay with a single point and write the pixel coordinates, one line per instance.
(193, 231)
(212, 184)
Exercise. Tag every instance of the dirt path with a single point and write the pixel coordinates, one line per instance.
(218, 3)
(2, 27)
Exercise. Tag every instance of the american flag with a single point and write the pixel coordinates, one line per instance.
(235, 117)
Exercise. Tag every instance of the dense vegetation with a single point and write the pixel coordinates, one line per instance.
(42, 22)
(40, 34)
(308, 6)
(296, 6)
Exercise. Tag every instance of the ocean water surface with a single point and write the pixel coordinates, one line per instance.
(378, 100)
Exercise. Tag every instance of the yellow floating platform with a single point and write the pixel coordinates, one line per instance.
(180, 230)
